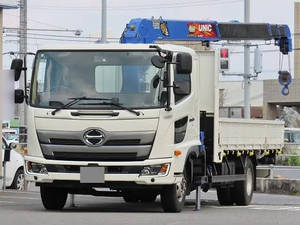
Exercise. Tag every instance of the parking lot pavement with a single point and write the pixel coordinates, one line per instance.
(18, 208)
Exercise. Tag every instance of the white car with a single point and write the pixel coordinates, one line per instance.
(14, 168)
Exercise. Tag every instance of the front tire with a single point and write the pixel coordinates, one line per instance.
(243, 190)
(173, 196)
(53, 198)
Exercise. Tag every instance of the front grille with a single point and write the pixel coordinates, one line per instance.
(108, 170)
(78, 156)
(116, 142)
(118, 146)
(60, 141)
(122, 142)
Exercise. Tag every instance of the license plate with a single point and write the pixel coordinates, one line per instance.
(93, 175)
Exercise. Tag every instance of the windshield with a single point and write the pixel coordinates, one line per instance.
(127, 76)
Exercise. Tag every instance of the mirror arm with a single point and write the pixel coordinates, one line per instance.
(25, 79)
(168, 107)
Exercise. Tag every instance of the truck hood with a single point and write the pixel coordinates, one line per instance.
(125, 121)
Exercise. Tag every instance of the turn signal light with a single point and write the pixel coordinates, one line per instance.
(177, 152)
(164, 168)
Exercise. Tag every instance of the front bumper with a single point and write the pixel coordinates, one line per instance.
(136, 178)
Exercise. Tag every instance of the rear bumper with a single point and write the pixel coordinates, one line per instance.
(54, 177)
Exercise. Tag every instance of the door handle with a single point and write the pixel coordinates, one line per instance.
(191, 119)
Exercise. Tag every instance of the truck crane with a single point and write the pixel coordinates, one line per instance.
(141, 30)
(141, 118)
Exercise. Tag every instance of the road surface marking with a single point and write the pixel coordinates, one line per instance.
(261, 207)
(15, 197)
(7, 202)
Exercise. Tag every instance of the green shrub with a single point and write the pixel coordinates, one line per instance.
(294, 161)
(288, 160)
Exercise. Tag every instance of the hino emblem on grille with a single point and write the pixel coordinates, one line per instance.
(93, 137)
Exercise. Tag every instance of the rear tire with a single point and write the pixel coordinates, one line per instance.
(53, 198)
(225, 195)
(243, 190)
(173, 196)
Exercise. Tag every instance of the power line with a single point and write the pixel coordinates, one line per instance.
(62, 36)
(60, 39)
(189, 3)
(44, 30)
(37, 21)
(141, 7)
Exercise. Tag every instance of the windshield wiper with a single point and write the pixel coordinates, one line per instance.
(75, 101)
(114, 103)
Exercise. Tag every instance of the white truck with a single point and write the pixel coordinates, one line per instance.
(141, 120)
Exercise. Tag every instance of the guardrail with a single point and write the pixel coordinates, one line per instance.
(268, 170)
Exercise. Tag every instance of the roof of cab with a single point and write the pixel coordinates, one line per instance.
(175, 48)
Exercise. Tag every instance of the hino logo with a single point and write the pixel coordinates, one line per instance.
(93, 137)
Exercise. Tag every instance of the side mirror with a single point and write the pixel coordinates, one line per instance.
(17, 66)
(19, 96)
(183, 63)
(158, 61)
(182, 87)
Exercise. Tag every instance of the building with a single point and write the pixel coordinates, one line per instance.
(232, 99)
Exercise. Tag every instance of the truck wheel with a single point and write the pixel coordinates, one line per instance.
(19, 180)
(130, 196)
(173, 196)
(225, 195)
(243, 190)
(53, 198)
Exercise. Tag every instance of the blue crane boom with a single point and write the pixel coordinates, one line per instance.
(142, 30)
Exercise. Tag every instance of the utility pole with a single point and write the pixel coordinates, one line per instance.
(23, 49)
(247, 64)
(1, 103)
(103, 21)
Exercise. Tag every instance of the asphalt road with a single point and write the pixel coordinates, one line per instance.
(23, 208)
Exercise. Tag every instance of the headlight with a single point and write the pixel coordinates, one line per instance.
(155, 170)
(36, 168)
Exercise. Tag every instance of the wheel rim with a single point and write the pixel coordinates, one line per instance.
(181, 189)
(20, 182)
(249, 185)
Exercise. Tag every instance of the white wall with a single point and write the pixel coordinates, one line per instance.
(234, 93)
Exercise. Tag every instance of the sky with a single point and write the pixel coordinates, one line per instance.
(85, 15)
